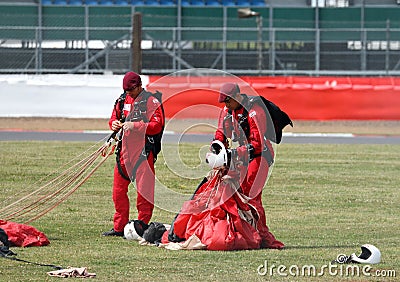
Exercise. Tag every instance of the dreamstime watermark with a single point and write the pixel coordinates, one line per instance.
(331, 269)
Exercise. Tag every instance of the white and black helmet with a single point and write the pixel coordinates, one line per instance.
(369, 255)
(218, 157)
(134, 229)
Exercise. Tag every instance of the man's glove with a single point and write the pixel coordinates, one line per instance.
(245, 153)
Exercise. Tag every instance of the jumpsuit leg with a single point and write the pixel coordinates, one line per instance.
(254, 185)
(121, 200)
(145, 183)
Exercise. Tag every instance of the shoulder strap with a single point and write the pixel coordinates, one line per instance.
(158, 95)
(141, 107)
(153, 142)
(146, 95)
(120, 110)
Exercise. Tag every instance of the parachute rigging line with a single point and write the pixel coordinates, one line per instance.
(62, 185)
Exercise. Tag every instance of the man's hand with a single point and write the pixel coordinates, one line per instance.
(128, 126)
(116, 125)
(245, 153)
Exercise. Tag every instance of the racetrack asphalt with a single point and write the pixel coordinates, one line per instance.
(172, 137)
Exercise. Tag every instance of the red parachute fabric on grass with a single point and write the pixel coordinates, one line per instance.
(213, 216)
(21, 235)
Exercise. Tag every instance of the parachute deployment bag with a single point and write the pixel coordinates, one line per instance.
(154, 232)
(277, 118)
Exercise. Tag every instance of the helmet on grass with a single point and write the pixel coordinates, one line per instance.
(134, 229)
(369, 255)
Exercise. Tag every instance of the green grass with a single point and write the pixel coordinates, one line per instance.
(321, 201)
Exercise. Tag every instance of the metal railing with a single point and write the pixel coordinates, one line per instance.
(86, 42)
(356, 52)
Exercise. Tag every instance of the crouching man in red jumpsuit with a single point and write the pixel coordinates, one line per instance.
(246, 123)
(140, 115)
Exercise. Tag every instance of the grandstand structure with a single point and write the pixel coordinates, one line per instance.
(283, 37)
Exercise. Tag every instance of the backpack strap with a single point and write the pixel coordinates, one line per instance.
(153, 142)
(143, 156)
(243, 123)
(119, 166)
(266, 153)
(120, 110)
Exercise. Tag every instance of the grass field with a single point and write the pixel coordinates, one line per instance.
(321, 201)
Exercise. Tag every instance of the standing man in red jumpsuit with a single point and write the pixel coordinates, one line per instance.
(139, 116)
(246, 123)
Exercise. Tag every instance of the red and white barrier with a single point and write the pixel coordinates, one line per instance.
(303, 98)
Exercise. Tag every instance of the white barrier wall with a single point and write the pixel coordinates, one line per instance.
(61, 95)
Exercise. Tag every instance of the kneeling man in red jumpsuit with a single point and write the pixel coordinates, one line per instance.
(245, 123)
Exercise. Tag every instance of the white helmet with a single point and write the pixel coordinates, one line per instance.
(134, 229)
(369, 255)
(218, 157)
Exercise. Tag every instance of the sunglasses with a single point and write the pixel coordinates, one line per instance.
(227, 99)
(133, 88)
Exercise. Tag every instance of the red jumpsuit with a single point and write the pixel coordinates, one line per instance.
(254, 175)
(133, 142)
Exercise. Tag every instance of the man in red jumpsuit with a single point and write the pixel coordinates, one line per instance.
(139, 114)
(246, 123)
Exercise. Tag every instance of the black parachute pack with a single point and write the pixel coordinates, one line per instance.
(153, 142)
(276, 118)
(154, 232)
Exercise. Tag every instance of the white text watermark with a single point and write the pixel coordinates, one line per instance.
(331, 269)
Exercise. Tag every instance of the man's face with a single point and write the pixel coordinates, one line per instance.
(134, 92)
(231, 103)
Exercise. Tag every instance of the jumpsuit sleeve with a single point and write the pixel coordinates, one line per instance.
(114, 115)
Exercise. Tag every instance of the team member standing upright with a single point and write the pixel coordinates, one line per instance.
(140, 116)
(245, 122)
